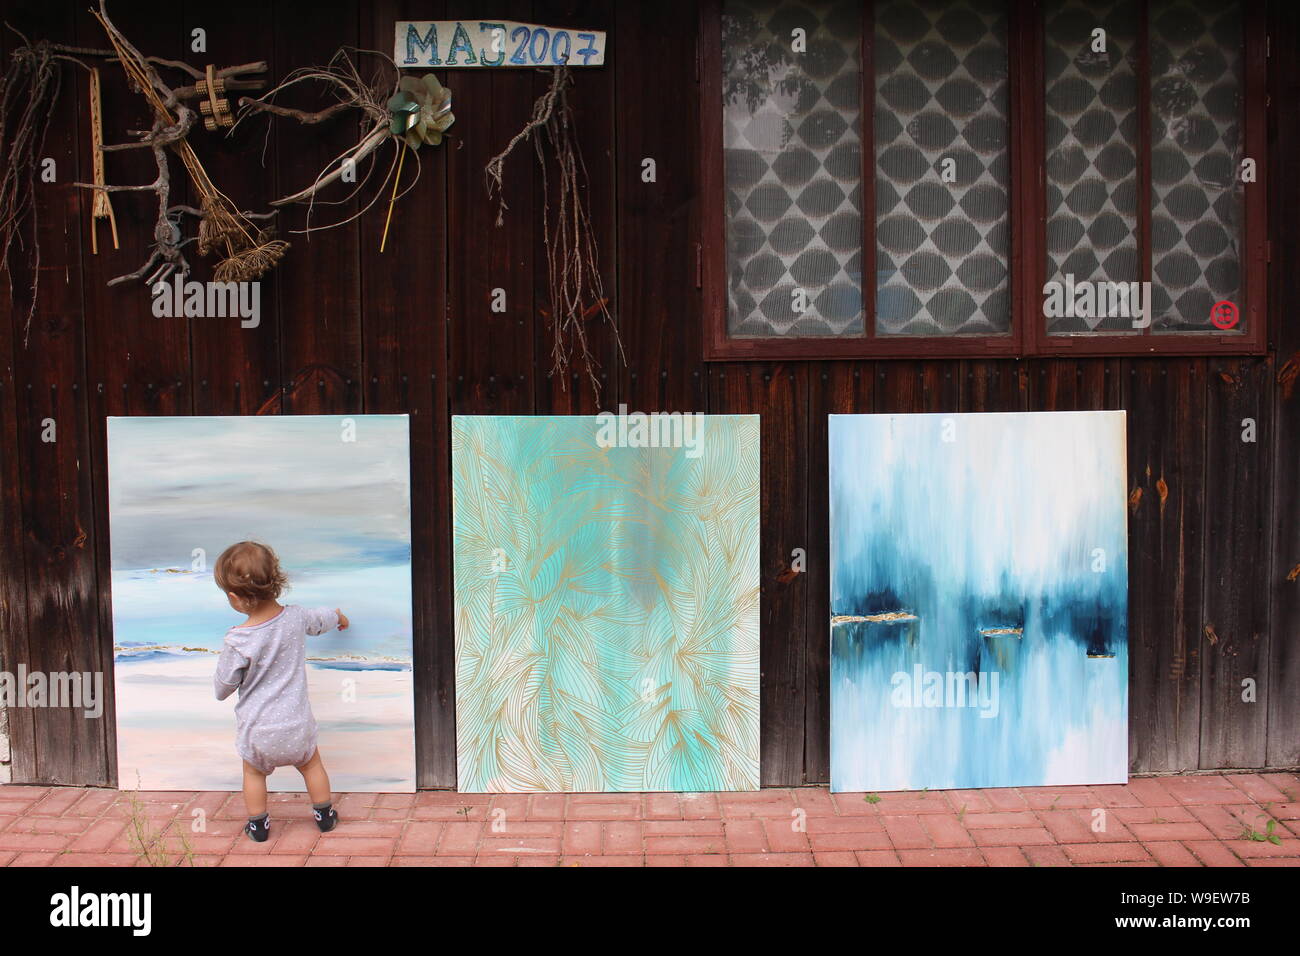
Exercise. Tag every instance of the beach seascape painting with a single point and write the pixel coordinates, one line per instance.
(331, 496)
(607, 596)
(979, 600)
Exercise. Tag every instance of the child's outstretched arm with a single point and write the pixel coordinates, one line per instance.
(322, 619)
(231, 668)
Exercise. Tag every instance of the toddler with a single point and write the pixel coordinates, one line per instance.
(265, 659)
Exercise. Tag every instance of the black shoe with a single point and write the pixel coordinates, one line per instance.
(258, 830)
(326, 819)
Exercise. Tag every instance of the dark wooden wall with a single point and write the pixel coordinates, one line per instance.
(1214, 533)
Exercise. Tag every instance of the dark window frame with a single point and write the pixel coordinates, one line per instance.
(1027, 216)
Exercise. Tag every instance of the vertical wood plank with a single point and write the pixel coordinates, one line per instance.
(992, 386)
(916, 386)
(1234, 621)
(592, 99)
(318, 283)
(17, 722)
(59, 550)
(404, 337)
(491, 354)
(135, 363)
(835, 388)
(1165, 400)
(1066, 385)
(779, 393)
(1284, 221)
(659, 303)
(236, 370)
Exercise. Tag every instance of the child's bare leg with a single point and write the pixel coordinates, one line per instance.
(254, 790)
(317, 780)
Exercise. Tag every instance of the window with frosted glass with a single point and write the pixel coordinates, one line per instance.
(1091, 152)
(1196, 52)
(942, 168)
(1125, 124)
(792, 168)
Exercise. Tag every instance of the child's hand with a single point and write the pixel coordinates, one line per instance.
(343, 620)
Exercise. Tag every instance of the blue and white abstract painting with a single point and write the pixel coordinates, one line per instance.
(331, 495)
(979, 600)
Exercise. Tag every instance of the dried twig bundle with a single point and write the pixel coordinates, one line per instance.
(30, 90)
(572, 262)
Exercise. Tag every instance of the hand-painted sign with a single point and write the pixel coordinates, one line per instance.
(461, 43)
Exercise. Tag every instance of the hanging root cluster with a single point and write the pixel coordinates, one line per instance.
(27, 99)
(342, 78)
(572, 263)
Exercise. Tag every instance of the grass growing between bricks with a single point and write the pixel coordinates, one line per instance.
(150, 843)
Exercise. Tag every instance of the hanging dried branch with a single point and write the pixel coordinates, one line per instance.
(30, 92)
(576, 291)
(246, 250)
(28, 96)
(342, 78)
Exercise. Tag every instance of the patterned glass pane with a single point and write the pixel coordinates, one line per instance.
(1092, 149)
(942, 168)
(1197, 56)
(793, 166)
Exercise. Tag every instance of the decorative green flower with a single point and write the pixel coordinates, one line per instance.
(420, 110)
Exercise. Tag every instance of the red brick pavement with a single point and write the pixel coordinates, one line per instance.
(1197, 820)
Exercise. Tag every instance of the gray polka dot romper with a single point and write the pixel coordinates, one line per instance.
(267, 664)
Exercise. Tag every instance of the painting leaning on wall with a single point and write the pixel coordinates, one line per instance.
(607, 598)
(979, 600)
(331, 496)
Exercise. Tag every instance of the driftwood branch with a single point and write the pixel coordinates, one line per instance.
(343, 80)
(302, 116)
(229, 71)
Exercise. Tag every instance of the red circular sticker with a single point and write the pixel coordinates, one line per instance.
(1224, 315)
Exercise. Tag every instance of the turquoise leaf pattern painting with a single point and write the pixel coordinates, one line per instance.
(606, 602)
(979, 600)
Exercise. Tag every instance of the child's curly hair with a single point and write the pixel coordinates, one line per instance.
(251, 572)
